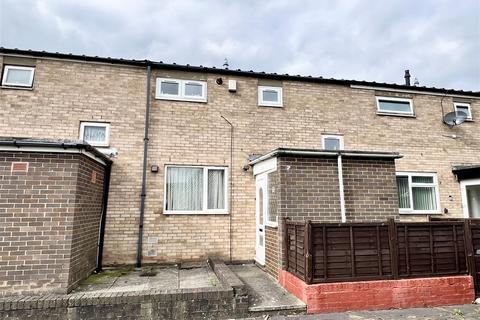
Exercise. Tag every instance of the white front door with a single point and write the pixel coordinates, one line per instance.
(261, 209)
(471, 198)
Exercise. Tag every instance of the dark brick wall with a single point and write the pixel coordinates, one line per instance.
(37, 222)
(88, 208)
(271, 251)
(370, 189)
(309, 190)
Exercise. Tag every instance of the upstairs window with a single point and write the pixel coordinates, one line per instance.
(270, 96)
(463, 107)
(192, 190)
(16, 76)
(399, 106)
(332, 142)
(418, 192)
(186, 90)
(95, 133)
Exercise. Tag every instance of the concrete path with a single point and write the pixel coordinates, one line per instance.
(463, 312)
(168, 277)
(265, 293)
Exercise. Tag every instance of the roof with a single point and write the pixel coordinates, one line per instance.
(236, 72)
(33, 144)
(318, 153)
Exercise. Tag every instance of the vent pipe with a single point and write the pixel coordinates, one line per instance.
(407, 77)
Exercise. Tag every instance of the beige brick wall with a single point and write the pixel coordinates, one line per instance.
(194, 133)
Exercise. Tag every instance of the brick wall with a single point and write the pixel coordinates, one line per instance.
(47, 242)
(86, 221)
(194, 133)
(309, 190)
(384, 294)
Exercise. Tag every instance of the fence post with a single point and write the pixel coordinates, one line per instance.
(308, 252)
(286, 243)
(469, 250)
(393, 245)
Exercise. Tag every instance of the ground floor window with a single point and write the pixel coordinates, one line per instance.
(418, 192)
(190, 189)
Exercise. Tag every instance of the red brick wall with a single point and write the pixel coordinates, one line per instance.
(271, 251)
(384, 294)
(41, 216)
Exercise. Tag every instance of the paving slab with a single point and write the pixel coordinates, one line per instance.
(461, 312)
(149, 278)
(265, 293)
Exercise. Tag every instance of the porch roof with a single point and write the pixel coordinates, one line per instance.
(466, 171)
(52, 145)
(326, 153)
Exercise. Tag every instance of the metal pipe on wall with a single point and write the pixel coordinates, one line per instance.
(341, 189)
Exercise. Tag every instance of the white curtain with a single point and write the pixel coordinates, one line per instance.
(403, 192)
(94, 134)
(473, 198)
(184, 189)
(424, 198)
(216, 189)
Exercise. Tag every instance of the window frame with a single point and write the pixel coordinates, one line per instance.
(464, 105)
(9, 67)
(330, 136)
(263, 103)
(181, 90)
(411, 185)
(394, 99)
(205, 210)
(105, 125)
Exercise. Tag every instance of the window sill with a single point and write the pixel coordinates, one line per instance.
(272, 225)
(180, 99)
(16, 88)
(270, 105)
(196, 213)
(392, 114)
(419, 213)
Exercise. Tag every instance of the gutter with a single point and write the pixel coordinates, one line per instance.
(144, 171)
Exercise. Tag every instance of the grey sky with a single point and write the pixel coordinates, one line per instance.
(438, 40)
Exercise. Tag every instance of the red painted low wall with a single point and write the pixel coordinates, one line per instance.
(382, 294)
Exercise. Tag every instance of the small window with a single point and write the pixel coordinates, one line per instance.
(17, 76)
(95, 133)
(463, 107)
(185, 90)
(418, 192)
(270, 96)
(332, 142)
(192, 190)
(389, 105)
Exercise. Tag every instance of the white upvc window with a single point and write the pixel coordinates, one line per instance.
(195, 190)
(17, 76)
(184, 90)
(95, 133)
(394, 106)
(332, 142)
(270, 96)
(464, 107)
(418, 193)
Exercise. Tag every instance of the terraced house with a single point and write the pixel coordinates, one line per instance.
(207, 162)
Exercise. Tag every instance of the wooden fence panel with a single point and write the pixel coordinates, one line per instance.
(333, 252)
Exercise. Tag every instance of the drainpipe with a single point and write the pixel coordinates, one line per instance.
(103, 219)
(231, 185)
(340, 184)
(144, 172)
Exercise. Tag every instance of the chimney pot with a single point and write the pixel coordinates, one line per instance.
(407, 77)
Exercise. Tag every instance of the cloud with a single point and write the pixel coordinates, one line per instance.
(439, 41)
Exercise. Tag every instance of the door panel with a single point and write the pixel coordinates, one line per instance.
(261, 209)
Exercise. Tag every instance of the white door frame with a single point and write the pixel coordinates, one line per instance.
(463, 185)
(260, 182)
